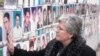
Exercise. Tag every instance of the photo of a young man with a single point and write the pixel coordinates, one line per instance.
(27, 23)
(17, 27)
(40, 21)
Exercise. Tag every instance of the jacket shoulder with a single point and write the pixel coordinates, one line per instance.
(51, 43)
(87, 51)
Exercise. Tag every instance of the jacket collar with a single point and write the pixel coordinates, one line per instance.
(55, 47)
(74, 46)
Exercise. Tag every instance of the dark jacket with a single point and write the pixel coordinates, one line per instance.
(54, 48)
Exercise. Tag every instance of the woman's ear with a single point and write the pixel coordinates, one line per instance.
(70, 36)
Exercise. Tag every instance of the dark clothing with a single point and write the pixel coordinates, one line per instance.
(54, 48)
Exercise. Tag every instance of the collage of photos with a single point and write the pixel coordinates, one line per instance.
(90, 21)
(7, 4)
(41, 41)
(13, 24)
(33, 21)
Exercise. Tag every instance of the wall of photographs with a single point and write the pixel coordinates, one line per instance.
(32, 23)
(90, 17)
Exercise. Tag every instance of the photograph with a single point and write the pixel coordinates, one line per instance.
(32, 42)
(79, 11)
(38, 43)
(67, 8)
(47, 37)
(61, 10)
(57, 1)
(53, 1)
(36, 2)
(7, 25)
(84, 9)
(51, 35)
(27, 23)
(34, 18)
(65, 1)
(61, 2)
(17, 25)
(26, 3)
(10, 4)
(45, 19)
(25, 45)
(43, 41)
(1, 4)
(39, 32)
(40, 19)
(49, 15)
(32, 3)
(54, 14)
(71, 1)
(72, 8)
(40, 2)
(20, 3)
(47, 1)
(57, 13)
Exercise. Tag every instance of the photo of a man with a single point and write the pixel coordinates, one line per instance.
(7, 23)
(32, 42)
(61, 10)
(45, 16)
(40, 22)
(34, 19)
(7, 27)
(43, 41)
(49, 16)
(54, 14)
(17, 30)
(27, 23)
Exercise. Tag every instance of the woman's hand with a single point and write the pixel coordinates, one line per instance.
(10, 46)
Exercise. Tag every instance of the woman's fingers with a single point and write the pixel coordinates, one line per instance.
(10, 46)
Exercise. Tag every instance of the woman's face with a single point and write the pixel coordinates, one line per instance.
(61, 33)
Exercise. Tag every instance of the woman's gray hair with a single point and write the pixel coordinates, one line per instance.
(72, 23)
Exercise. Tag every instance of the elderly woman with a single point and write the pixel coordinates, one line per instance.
(68, 41)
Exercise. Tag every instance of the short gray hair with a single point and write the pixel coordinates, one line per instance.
(72, 22)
